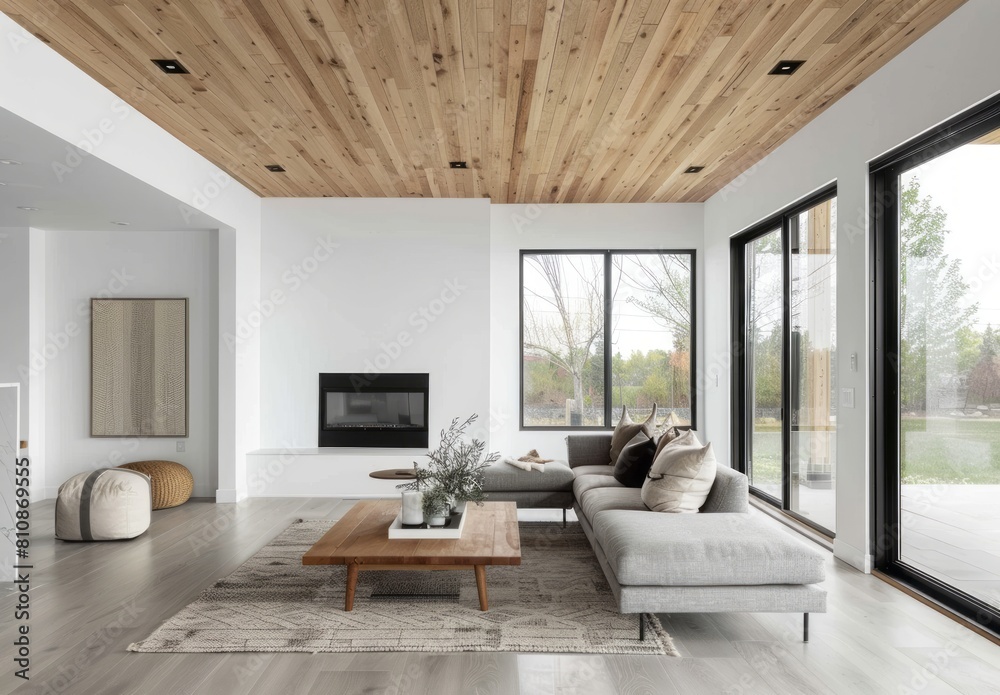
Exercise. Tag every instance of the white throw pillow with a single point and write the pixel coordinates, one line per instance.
(681, 477)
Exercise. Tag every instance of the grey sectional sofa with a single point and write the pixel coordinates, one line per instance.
(720, 560)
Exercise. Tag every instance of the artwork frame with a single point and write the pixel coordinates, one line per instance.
(139, 367)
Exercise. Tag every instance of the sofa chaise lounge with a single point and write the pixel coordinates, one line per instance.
(720, 560)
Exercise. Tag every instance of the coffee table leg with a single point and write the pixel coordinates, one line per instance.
(484, 603)
(352, 584)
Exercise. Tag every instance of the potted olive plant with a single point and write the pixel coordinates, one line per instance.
(436, 506)
(456, 466)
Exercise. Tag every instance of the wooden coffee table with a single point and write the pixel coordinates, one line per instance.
(360, 540)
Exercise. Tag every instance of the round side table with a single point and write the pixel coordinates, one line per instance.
(394, 474)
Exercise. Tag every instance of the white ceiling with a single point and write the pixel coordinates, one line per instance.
(76, 191)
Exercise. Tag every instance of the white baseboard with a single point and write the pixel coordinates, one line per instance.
(858, 559)
(229, 496)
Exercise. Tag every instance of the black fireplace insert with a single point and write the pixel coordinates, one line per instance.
(383, 411)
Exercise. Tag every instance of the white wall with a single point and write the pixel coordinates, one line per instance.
(14, 323)
(945, 72)
(517, 227)
(341, 280)
(80, 110)
(82, 265)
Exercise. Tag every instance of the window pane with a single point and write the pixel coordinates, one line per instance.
(651, 336)
(949, 368)
(813, 360)
(765, 323)
(563, 351)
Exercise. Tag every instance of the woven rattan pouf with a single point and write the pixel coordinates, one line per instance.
(172, 482)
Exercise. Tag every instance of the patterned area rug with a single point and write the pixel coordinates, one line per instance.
(556, 601)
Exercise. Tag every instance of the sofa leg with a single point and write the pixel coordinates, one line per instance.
(805, 627)
(564, 517)
(642, 628)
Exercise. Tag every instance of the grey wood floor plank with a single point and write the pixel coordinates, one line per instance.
(781, 670)
(350, 683)
(955, 666)
(640, 675)
(889, 670)
(696, 636)
(715, 677)
(580, 674)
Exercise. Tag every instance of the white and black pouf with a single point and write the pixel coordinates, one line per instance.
(104, 505)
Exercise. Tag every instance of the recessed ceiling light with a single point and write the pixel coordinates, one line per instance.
(786, 67)
(170, 66)
(275, 168)
(458, 165)
(121, 224)
(693, 170)
(25, 207)
(11, 162)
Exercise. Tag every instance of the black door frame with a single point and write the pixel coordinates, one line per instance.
(885, 444)
(782, 221)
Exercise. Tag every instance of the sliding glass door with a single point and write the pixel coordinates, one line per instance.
(937, 449)
(765, 329)
(784, 330)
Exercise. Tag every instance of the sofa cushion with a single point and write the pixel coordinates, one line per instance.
(501, 476)
(588, 449)
(583, 483)
(601, 499)
(701, 550)
(634, 463)
(594, 470)
(626, 431)
(730, 492)
(681, 476)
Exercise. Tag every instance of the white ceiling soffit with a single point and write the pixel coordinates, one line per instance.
(74, 190)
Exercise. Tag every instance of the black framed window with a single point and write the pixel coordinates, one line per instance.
(603, 329)
(936, 364)
(784, 281)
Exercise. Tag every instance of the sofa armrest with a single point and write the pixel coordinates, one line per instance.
(729, 494)
(588, 449)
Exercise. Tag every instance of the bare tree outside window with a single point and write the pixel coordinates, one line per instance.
(565, 344)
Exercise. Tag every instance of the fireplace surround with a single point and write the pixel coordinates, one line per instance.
(385, 411)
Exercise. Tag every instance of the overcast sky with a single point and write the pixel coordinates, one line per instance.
(965, 183)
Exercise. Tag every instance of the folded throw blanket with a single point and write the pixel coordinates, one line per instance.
(525, 465)
(533, 457)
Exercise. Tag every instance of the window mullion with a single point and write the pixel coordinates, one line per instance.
(608, 305)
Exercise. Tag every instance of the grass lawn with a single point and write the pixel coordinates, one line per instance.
(946, 451)
(936, 451)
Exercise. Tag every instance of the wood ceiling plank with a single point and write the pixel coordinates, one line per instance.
(557, 101)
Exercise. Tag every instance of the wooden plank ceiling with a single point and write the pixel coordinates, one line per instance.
(547, 101)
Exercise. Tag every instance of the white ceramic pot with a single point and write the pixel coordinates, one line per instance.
(434, 520)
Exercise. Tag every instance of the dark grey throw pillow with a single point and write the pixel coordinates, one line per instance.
(634, 462)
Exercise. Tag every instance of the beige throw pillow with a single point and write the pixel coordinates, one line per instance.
(670, 435)
(681, 477)
(627, 430)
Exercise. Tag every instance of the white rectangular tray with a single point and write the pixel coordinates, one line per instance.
(397, 532)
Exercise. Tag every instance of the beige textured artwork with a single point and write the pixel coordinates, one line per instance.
(139, 368)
